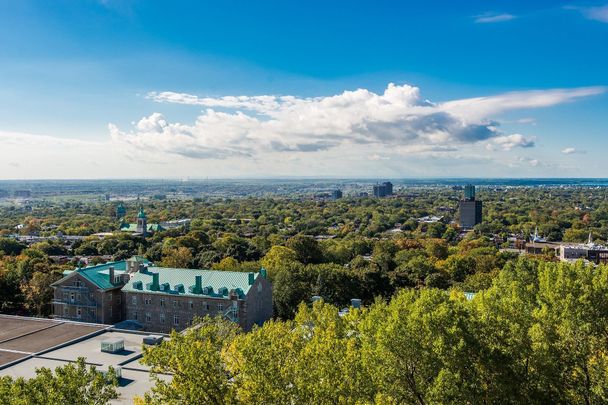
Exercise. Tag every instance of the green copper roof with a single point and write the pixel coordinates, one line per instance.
(100, 274)
(182, 282)
(142, 213)
(133, 227)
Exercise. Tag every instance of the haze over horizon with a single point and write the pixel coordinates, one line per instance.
(131, 89)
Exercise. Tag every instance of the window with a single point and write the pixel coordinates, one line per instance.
(65, 296)
(135, 315)
(162, 302)
(175, 320)
(191, 304)
(133, 300)
(206, 305)
(174, 304)
(119, 299)
(148, 301)
(66, 311)
(78, 312)
(110, 297)
(72, 296)
(161, 317)
(220, 306)
(117, 280)
(148, 317)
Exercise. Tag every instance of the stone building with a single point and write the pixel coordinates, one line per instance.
(162, 299)
(93, 293)
(158, 299)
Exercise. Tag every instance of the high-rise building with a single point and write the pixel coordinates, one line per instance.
(384, 189)
(470, 209)
(336, 194)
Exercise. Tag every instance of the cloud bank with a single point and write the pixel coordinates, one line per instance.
(397, 119)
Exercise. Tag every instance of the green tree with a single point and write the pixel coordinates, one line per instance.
(199, 373)
(75, 383)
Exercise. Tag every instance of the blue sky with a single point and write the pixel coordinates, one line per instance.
(109, 89)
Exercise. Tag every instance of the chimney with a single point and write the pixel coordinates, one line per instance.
(263, 273)
(155, 283)
(111, 271)
(355, 302)
(198, 284)
(251, 278)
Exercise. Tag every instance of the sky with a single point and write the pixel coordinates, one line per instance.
(267, 89)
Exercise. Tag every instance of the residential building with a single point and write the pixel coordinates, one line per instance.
(470, 209)
(383, 190)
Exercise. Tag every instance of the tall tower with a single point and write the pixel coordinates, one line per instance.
(469, 208)
(142, 222)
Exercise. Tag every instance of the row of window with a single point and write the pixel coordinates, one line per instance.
(178, 304)
(161, 318)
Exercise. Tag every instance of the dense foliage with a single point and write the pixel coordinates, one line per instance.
(75, 383)
(538, 335)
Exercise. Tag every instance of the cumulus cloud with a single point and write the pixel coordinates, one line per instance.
(398, 119)
(508, 142)
(493, 18)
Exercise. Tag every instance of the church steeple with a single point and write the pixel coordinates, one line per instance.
(142, 222)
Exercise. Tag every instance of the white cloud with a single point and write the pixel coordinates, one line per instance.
(598, 13)
(570, 151)
(398, 119)
(493, 17)
(508, 142)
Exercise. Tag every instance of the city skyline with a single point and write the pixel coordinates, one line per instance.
(108, 89)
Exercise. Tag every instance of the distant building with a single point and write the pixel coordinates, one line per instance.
(121, 211)
(4, 194)
(470, 209)
(383, 190)
(590, 251)
(160, 299)
(336, 194)
(141, 227)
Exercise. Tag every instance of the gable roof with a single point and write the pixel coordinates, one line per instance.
(99, 274)
(217, 280)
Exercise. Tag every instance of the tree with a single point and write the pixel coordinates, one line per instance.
(306, 248)
(278, 257)
(38, 291)
(177, 258)
(75, 383)
(199, 373)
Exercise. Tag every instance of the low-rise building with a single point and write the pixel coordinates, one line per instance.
(158, 299)
(162, 299)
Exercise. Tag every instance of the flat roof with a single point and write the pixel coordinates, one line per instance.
(30, 343)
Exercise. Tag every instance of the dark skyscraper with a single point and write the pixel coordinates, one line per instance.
(384, 189)
(470, 209)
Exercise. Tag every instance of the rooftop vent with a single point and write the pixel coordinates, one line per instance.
(138, 285)
(113, 345)
(223, 291)
(165, 287)
(152, 340)
(180, 288)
